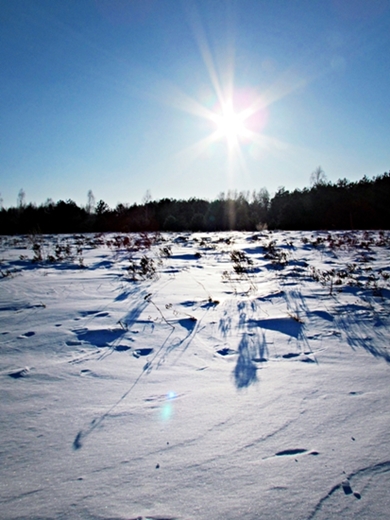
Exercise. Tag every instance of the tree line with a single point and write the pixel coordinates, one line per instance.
(342, 205)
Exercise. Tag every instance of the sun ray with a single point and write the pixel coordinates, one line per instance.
(204, 49)
(191, 153)
(238, 116)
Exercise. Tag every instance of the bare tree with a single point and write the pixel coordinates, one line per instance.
(147, 197)
(21, 200)
(91, 202)
(318, 177)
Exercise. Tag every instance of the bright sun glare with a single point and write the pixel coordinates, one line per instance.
(230, 124)
(238, 114)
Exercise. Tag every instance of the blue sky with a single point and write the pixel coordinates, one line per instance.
(189, 98)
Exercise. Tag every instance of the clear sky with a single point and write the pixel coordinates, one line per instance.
(189, 98)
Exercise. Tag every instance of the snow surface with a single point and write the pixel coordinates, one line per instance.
(208, 389)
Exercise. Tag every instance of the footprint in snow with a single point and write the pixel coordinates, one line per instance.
(348, 489)
(369, 477)
(122, 348)
(290, 452)
(226, 351)
(28, 334)
(21, 372)
(142, 352)
(293, 451)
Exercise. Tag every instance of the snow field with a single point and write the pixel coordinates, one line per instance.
(200, 383)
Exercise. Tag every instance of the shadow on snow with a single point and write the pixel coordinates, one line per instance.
(251, 350)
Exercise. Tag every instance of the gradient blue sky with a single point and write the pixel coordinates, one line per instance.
(117, 96)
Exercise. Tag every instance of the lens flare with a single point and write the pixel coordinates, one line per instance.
(167, 409)
(171, 395)
(166, 412)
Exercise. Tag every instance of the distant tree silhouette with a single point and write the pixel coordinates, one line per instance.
(343, 205)
(102, 208)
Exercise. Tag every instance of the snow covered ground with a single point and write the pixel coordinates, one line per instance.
(195, 376)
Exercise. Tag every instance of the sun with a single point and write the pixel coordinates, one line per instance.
(230, 124)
